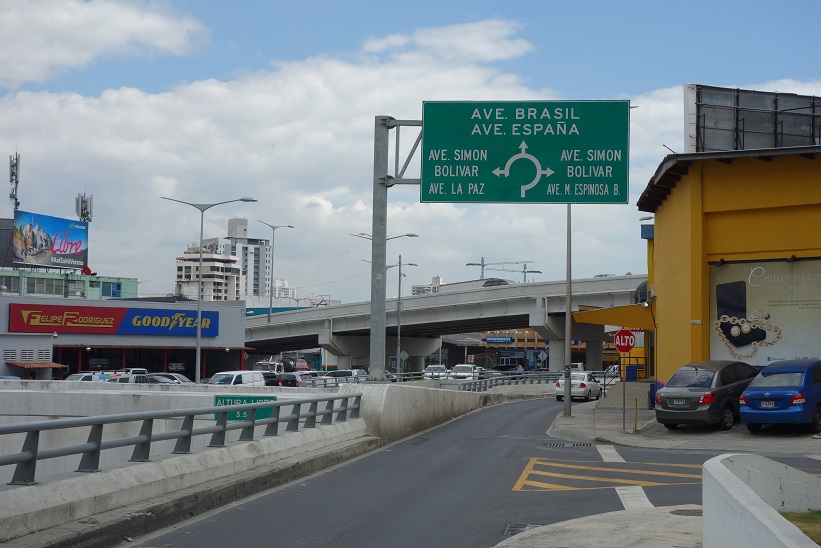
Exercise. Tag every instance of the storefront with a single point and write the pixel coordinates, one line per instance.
(116, 334)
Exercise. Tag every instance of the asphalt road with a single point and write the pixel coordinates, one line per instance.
(469, 483)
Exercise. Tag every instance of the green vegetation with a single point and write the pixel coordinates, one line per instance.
(808, 522)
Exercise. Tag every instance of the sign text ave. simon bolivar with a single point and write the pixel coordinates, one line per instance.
(526, 152)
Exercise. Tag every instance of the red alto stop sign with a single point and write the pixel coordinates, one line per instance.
(624, 340)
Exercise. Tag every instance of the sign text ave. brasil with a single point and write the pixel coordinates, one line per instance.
(525, 152)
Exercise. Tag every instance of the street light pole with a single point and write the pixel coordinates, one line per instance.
(399, 319)
(202, 208)
(378, 287)
(271, 286)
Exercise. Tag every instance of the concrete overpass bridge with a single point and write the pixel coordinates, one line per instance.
(344, 330)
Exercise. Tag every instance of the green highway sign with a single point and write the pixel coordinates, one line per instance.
(525, 152)
(264, 413)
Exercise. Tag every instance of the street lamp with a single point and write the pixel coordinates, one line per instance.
(202, 208)
(398, 319)
(271, 289)
(367, 236)
(378, 292)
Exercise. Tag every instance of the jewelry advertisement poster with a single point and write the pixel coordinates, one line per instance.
(765, 311)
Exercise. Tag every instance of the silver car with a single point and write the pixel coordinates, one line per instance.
(704, 392)
(582, 385)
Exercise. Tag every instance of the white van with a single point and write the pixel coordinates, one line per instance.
(238, 378)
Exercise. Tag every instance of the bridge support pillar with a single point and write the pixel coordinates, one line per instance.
(418, 348)
(592, 334)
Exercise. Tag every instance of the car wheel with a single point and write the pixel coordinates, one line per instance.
(754, 428)
(559, 398)
(587, 396)
(727, 417)
(598, 394)
(670, 426)
(815, 425)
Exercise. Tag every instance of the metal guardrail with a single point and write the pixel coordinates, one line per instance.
(27, 458)
(522, 378)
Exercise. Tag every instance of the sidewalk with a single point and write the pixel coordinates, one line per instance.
(679, 526)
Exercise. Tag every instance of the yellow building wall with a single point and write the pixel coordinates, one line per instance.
(749, 209)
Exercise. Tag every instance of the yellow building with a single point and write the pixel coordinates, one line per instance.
(735, 264)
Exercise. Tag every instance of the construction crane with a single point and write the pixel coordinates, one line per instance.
(485, 265)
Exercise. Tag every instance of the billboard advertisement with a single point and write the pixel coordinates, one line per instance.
(763, 312)
(98, 320)
(55, 242)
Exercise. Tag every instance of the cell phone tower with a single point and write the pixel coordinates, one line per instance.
(14, 178)
(84, 206)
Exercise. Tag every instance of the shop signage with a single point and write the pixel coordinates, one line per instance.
(43, 318)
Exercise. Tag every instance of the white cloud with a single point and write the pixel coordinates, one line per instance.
(299, 138)
(44, 38)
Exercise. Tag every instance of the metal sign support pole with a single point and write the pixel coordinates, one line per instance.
(376, 370)
(568, 320)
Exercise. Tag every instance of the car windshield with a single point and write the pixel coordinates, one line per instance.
(778, 378)
(692, 377)
(221, 379)
(460, 368)
(436, 368)
(75, 377)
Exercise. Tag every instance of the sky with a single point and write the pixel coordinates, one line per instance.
(207, 101)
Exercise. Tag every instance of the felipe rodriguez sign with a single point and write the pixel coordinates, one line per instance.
(34, 318)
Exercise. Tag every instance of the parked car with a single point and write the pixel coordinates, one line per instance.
(296, 379)
(704, 392)
(179, 377)
(463, 371)
(582, 385)
(490, 374)
(129, 378)
(435, 372)
(271, 378)
(511, 370)
(85, 377)
(787, 392)
(158, 379)
(244, 378)
(347, 375)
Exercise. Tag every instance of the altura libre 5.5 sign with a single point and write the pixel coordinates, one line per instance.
(528, 152)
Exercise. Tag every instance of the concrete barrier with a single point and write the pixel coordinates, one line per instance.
(743, 495)
(389, 412)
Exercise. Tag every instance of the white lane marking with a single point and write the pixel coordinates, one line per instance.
(609, 454)
(633, 497)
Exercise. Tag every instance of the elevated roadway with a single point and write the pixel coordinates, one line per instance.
(344, 330)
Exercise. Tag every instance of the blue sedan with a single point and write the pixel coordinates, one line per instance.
(787, 392)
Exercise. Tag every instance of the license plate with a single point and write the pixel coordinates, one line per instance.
(679, 402)
(767, 404)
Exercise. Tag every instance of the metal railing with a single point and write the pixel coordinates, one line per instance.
(315, 415)
(481, 385)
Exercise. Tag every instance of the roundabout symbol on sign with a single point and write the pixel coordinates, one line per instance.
(547, 172)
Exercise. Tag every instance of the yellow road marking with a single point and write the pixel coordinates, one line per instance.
(528, 480)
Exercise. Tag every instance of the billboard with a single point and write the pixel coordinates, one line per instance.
(766, 311)
(43, 240)
(724, 119)
(43, 318)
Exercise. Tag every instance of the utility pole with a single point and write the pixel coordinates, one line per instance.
(489, 266)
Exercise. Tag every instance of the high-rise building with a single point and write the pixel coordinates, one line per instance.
(253, 260)
(220, 278)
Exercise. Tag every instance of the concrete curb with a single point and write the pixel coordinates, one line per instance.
(110, 528)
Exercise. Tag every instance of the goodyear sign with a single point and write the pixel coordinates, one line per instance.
(37, 318)
(265, 413)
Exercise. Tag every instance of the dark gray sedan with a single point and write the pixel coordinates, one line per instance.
(704, 392)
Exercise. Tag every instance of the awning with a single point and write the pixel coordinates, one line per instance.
(633, 316)
(36, 365)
